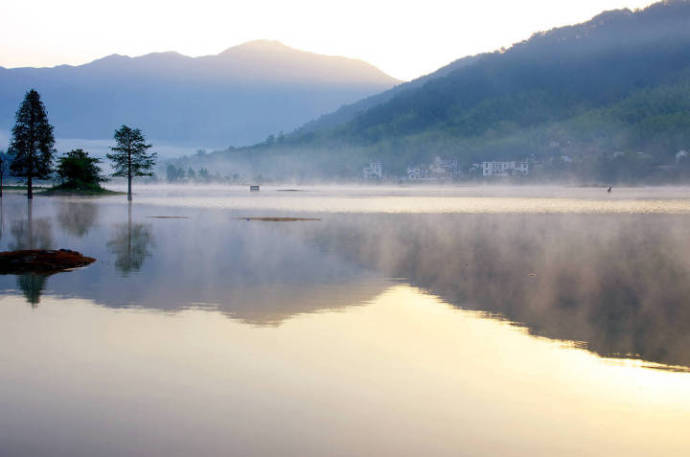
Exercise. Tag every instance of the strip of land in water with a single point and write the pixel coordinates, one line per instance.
(280, 219)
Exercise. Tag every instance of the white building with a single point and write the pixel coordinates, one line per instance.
(438, 170)
(373, 171)
(444, 168)
(415, 173)
(505, 168)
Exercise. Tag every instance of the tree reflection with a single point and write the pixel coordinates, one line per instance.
(77, 218)
(131, 244)
(31, 233)
(31, 286)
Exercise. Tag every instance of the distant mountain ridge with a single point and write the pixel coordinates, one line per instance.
(238, 96)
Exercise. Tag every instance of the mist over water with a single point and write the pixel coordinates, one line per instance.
(484, 309)
(601, 275)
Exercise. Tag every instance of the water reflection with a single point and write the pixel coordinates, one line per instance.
(31, 233)
(131, 244)
(430, 378)
(615, 284)
(618, 285)
(255, 272)
(249, 271)
(77, 218)
(32, 286)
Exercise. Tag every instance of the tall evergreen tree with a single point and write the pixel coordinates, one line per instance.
(32, 141)
(130, 157)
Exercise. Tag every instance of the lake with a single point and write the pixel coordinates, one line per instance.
(392, 321)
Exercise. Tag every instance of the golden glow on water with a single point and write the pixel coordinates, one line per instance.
(491, 205)
(406, 374)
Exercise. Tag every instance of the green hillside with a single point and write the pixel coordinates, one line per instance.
(606, 100)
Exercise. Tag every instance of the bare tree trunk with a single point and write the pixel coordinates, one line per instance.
(29, 189)
(129, 176)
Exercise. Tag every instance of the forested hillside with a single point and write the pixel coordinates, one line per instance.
(608, 99)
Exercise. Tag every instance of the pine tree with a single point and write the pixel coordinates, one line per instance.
(129, 156)
(32, 141)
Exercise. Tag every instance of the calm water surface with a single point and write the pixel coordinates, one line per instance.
(403, 322)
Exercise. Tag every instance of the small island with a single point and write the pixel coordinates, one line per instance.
(32, 148)
(41, 261)
(63, 189)
(80, 175)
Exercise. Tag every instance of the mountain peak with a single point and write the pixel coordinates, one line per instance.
(257, 46)
(237, 97)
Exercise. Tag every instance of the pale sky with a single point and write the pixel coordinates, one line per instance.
(405, 39)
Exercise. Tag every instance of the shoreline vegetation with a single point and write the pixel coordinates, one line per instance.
(63, 190)
(279, 219)
(66, 189)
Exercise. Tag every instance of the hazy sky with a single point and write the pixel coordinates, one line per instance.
(404, 38)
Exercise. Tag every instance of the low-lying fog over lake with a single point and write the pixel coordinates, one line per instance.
(379, 321)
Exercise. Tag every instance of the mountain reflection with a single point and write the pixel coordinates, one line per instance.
(617, 285)
(248, 271)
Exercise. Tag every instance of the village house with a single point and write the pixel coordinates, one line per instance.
(373, 171)
(439, 169)
(505, 168)
(415, 173)
(444, 168)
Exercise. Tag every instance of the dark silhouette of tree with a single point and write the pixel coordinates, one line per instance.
(129, 157)
(131, 245)
(32, 141)
(79, 171)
